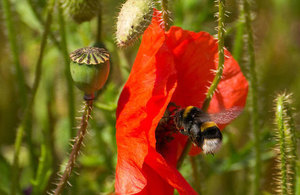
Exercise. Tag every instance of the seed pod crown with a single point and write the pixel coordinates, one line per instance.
(89, 68)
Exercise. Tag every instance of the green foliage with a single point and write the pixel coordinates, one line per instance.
(276, 43)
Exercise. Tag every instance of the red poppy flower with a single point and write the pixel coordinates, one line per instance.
(174, 66)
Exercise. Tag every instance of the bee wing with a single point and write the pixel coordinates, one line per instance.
(226, 116)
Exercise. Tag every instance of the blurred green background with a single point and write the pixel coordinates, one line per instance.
(276, 26)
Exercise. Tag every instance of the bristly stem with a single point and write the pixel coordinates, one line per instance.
(221, 32)
(219, 72)
(70, 89)
(292, 141)
(286, 145)
(76, 147)
(165, 14)
(12, 37)
(239, 39)
(282, 145)
(25, 125)
(253, 96)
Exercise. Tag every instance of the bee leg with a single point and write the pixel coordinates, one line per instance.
(195, 134)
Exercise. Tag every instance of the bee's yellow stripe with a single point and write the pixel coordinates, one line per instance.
(187, 110)
(207, 125)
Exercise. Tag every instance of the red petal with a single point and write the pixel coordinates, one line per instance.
(141, 105)
(155, 183)
(148, 91)
(169, 173)
(196, 55)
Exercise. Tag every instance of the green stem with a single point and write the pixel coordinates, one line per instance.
(25, 124)
(253, 96)
(239, 39)
(48, 157)
(43, 173)
(15, 52)
(124, 64)
(221, 32)
(292, 141)
(196, 176)
(76, 147)
(99, 27)
(106, 107)
(282, 145)
(71, 101)
(49, 136)
(219, 72)
(287, 144)
(165, 14)
(38, 16)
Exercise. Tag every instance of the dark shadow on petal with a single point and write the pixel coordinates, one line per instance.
(125, 97)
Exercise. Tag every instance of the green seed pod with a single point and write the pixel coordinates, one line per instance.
(134, 17)
(81, 10)
(89, 69)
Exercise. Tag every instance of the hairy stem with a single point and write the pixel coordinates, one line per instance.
(292, 141)
(286, 145)
(282, 145)
(76, 147)
(239, 39)
(219, 72)
(70, 89)
(12, 37)
(165, 14)
(253, 96)
(25, 125)
(221, 32)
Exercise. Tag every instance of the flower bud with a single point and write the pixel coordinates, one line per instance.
(133, 19)
(81, 10)
(89, 69)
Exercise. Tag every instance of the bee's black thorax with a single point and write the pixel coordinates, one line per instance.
(196, 124)
(189, 116)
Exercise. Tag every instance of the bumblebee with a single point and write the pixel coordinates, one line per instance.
(201, 127)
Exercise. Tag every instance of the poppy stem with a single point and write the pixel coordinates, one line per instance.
(165, 14)
(219, 72)
(239, 39)
(99, 26)
(253, 96)
(12, 37)
(78, 142)
(25, 125)
(286, 145)
(196, 176)
(218, 76)
(70, 89)
(282, 145)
